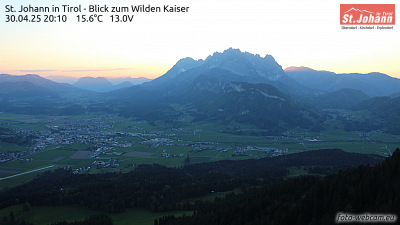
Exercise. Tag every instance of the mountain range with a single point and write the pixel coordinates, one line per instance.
(100, 84)
(372, 84)
(45, 84)
(113, 80)
(231, 86)
(235, 66)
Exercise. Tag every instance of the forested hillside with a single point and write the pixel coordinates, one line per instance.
(307, 200)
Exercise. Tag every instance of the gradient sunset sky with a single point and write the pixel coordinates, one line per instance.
(296, 33)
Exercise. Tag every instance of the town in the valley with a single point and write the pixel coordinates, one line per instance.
(109, 138)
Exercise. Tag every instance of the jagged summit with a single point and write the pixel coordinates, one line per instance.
(181, 66)
(246, 64)
(248, 67)
(185, 64)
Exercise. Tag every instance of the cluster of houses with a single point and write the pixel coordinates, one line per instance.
(101, 132)
(8, 156)
(365, 137)
(24, 160)
(202, 146)
(166, 155)
(77, 170)
(240, 152)
(106, 137)
(95, 131)
(103, 150)
(277, 152)
(157, 142)
(18, 155)
(271, 152)
(111, 163)
(71, 133)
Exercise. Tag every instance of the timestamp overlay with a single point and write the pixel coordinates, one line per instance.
(117, 12)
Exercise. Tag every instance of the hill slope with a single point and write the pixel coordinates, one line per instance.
(386, 109)
(341, 99)
(98, 84)
(60, 88)
(373, 84)
(308, 200)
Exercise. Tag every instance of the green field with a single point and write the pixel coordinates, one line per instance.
(43, 215)
(10, 147)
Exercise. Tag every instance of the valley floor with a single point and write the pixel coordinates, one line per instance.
(96, 143)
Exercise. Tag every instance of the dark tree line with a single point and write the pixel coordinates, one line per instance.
(160, 188)
(307, 200)
(93, 220)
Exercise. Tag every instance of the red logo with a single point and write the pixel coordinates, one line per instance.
(369, 14)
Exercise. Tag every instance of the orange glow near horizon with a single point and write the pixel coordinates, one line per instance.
(293, 32)
(147, 71)
(153, 72)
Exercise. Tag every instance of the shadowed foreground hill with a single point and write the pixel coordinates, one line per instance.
(159, 188)
(308, 200)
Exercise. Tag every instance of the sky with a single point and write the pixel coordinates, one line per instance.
(296, 33)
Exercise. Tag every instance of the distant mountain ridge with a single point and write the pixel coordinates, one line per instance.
(342, 99)
(395, 95)
(32, 94)
(102, 84)
(60, 88)
(24, 89)
(372, 84)
(134, 81)
(113, 80)
(98, 84)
